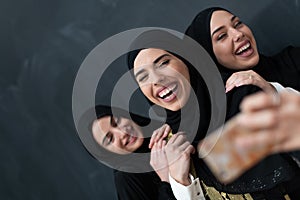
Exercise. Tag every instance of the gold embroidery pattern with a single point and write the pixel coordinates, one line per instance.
(212, 193)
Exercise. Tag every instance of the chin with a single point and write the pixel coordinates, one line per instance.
(174, 107)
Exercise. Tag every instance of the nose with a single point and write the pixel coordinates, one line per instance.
(122, 137)
(236, 34)
(157, 78)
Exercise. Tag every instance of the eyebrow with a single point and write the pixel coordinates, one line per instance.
(154, 62)
(219, 28)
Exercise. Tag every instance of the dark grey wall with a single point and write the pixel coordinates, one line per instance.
(42, 46)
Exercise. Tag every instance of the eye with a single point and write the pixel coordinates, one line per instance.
(109, 138)
(238, 24)
(164, 63)
(221, 36)
(142, 78)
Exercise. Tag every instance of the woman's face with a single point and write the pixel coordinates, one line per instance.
(233, 42)
(118, 135)
(163, 78)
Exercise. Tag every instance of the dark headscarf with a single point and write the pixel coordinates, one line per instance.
(199, 30)
(274, 169)
(283, 67)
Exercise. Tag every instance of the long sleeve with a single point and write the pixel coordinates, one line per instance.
(190, 192)
(165, 191)
(279, 88)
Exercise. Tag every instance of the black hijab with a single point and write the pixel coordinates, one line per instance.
(283, 67)
(272, 170)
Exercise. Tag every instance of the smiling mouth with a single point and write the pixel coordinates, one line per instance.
(131, 138)
(243, 49)
(167, 92)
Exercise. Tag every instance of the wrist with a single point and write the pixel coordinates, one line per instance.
(182, 180)
(165, 179)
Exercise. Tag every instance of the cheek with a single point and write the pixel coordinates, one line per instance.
(146, 90)
(182, 72)
(222, 50)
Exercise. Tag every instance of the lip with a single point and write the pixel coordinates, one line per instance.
(131, 138)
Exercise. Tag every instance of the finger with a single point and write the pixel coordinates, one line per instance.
(258, 120)
(164, 142)
(166, 131)
(184, 146)
(175, 137)
(238, 79)
(246, 81)
(229, 88)
(255, 140)
(160, 142)
(154, 147)
(181, 138)
(231, 79)
(152, 140)
(258, 101)
(289, 97)
(156, 136)
(190, 149)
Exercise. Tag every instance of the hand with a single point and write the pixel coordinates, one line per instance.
(159, 161)
(178, 151)
(272, 122)
(248, 78)
(159, 133)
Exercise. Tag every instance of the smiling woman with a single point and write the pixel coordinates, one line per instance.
(119, 138)
(232, 46)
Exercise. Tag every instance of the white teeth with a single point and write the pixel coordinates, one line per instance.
(129, 139)
(166, 91)
(163, 93)
(243, 48)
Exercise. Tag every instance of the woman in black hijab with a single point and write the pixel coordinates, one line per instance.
(158, 61)
(113, 126)
(283, 67)
(277, 172)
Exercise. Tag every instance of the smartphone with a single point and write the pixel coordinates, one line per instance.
(226, 160)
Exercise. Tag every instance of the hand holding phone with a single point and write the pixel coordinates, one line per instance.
(225, 159)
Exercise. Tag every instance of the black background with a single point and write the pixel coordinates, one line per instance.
(42, 46)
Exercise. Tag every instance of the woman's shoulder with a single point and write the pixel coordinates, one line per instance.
(289, 51)
(289, 56)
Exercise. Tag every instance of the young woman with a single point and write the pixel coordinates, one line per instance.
(120, 140)
(232, 46)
